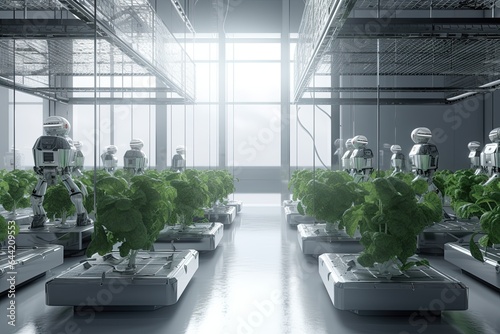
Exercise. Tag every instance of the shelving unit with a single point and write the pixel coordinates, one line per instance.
(131, 40)
(398, 38)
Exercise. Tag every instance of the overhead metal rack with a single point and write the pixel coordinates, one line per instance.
(463, 52)
(132, 41)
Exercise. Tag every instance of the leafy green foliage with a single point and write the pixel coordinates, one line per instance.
(132, 213)
(15, 189)
(329, 194)
(192, 195)
(389, 220)
(459, 187)
(57, 201)
(219, 184)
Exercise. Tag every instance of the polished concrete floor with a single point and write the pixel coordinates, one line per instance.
(257, 281)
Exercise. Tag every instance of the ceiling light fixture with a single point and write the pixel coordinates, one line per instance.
(490, 84)
(461, 96)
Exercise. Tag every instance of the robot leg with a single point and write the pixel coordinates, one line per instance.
(76, 197)
(39, 214)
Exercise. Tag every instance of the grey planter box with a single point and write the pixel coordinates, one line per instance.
(160, 280)
(32, 262)
(361, 291)
(314, 239)
(199, 236)
(488, 271)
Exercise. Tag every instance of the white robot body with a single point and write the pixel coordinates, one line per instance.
(424, 157)
(179, 159)
(346, 157)
(491, 156)
(134, 160)
(398, 162)
(55, 156)
(476, 157)
(361, 159)
(109, 160)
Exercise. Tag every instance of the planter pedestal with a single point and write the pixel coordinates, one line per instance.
(199, 236)
(488, 271)
(159, 280)
(433, 238)
(237, 204)
(73, 238)
(224, 215)
(314, 239)
(294, 218)
(32, 262)
(361, 291)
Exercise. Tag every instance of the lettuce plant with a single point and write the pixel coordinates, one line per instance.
(132, 213)
(17, 186)
(389, 220)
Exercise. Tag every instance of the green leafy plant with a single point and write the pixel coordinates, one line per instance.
(328, 195)
(132, 213)
(17, 186)
(459, 187)
(192, 195)
(484, 203)
(57, 202)
(219, 184)
(390, 219)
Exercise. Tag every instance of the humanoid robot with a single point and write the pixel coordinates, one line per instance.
(54, 155)
(79, 160)
(179, 159)
(346, 158)
(134, 160)
(475, 157)
(109, 160)
(397, 160)
(361, 159)
(491, 158)
(424, 156)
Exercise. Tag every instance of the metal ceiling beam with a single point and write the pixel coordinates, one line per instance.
(371, 101)
(393, 89)
(128, 101)
(48, 28)
(104, 89)
(451, 28)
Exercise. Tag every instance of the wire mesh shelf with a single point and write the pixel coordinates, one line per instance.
(132, 41)
(465, 52)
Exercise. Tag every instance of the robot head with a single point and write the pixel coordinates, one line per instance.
(473, 146)
(495, 135)
(359, 141)
(56, 126)
(136, 144)
(111, 149)
(395, 149)
(78, 145)
(337, 142)
(348, 144)
(421, 135)
(180, 149)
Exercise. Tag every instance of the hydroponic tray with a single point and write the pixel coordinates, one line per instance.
(294, 218)
(22, 217)
(237, 204)
(363, 291)
(199, 236)
(487, 271)
(433, 238)
(30, 262)
(73, 238)
(224, 214)
(314, 239)
(159, 280)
